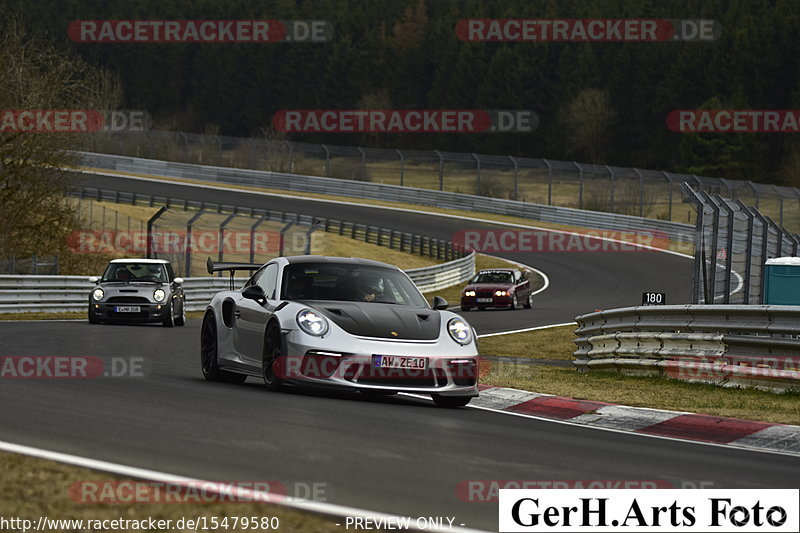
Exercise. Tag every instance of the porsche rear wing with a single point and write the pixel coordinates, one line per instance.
(213, 267)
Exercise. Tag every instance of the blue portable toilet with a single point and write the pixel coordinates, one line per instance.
(782, 281)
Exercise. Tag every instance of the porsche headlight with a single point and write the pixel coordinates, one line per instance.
(98, 294)
(459, 331)
(500, 293)
(469, 293)
(312, 322)
(159, 295)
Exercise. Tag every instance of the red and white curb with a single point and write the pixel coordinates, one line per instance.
(718, 430)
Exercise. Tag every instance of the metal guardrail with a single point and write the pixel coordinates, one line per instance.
(751, 345)
(59, 294)
(438, 277)
(630, 191)
(394, 193)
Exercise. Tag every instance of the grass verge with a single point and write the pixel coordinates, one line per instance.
(35, 487)
(613, 387)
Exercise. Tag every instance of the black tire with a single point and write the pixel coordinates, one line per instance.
(273, 350)
(514, 302)
(529, 302)
(91, 317)
(450, 401)
(181, 320)
(169, 320)
(208, 354)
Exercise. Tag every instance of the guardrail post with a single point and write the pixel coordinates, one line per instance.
(149, 240)
(755, 192)
(516, 177)
(282, 238)
(311, 230)
(441, 169)
(613, 186)
(221, 239)
(780, 200)
(549, 182)
(477, 174)
(641, 191)
(580, 189)
(748, 258)
(188, 252)
(363, 163)
(402, 165)
(327, 161)
(669, 181)
(253, 237)
(764, 249)
(726, 299)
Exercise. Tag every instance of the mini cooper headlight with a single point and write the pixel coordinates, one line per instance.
(469, 293)
(312, 322)
(98, 294)
(500, 293)
(159, 295)
(459, 331)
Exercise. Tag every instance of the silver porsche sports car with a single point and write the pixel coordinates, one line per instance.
(337, 322)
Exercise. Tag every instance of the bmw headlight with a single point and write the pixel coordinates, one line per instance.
(469, 293)
(459, 331)
(312, 322)
(159, 295)
(500, 293)
(98, 294)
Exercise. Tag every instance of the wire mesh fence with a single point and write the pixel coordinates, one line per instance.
(733, 243)
(186, 233)
(631, 191)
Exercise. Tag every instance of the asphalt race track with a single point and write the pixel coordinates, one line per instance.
(580, 282)
(398, 455)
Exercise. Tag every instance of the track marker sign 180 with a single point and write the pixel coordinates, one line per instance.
(654, 298)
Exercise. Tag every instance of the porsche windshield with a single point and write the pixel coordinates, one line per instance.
(493, 277)
(349, 282)
(145, 272)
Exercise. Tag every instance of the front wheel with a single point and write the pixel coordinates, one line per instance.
(208, 354)
(450, 401)
(270, 363)
(529, 302)
(169, 320)
(181, 320)
(513, 302)
(92, 319)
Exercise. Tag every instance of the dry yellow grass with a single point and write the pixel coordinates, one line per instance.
(35, 487)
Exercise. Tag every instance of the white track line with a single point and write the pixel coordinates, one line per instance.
(329, 509)
(526, 329)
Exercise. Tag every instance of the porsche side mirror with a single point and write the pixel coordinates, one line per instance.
(178, 281)
(439, 303)
(94, 279)
(254, 292)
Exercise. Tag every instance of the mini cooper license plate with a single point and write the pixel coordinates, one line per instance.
(396, 361)
(128, 309)
(483, 300)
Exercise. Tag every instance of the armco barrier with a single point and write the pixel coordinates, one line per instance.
(749, 345)
(375, 191)
(58, 294)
